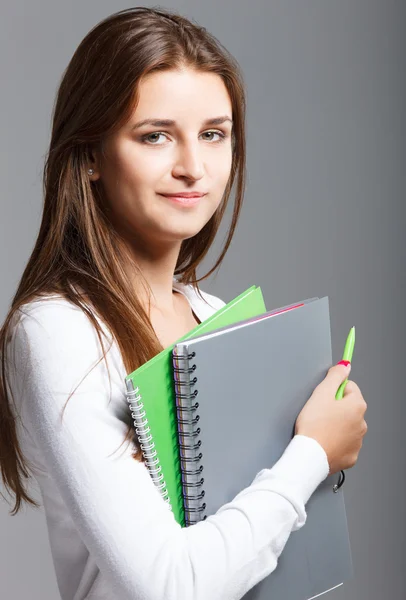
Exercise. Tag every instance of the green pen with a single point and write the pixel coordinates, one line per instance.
(347, 355)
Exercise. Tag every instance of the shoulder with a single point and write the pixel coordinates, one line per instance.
(55, 350)
(52, 330)
(55, 315)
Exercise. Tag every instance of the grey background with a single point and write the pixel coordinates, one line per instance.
(324, 215)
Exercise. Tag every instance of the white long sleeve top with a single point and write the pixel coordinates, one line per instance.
(111, 534)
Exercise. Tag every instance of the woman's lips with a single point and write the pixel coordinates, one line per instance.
(185, 201)
(190, 194)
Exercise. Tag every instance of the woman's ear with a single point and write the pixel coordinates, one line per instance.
(93, 165)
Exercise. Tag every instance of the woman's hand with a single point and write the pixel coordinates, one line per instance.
(338, 425)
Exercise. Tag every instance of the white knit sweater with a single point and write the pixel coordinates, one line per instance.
(111, 534)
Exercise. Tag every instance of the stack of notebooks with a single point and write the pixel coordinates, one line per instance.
(232, 387)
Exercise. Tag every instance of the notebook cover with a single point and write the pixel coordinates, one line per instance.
(283, 359)
(155, 383)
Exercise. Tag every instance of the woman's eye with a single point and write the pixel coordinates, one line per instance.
(219, 133)
(148, 137)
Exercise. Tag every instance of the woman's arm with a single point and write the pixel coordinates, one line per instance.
(113, 502)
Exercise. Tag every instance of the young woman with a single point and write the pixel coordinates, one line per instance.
(147, 142)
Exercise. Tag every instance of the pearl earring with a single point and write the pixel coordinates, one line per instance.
(90, 171)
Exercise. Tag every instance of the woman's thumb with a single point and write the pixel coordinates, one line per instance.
(338, 373)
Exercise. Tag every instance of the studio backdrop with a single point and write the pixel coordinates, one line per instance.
(324, 215)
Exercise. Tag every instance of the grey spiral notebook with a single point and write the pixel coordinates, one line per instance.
(239, 391)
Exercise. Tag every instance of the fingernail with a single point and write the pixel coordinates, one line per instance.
(344, 362)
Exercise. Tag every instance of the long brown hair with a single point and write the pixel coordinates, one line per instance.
(78, 254)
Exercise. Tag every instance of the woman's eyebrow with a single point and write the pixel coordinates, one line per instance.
(170, 122)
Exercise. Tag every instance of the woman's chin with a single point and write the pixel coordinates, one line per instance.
(178, 235)
(175, 230)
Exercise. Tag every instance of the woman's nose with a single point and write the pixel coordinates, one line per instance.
(189, 161)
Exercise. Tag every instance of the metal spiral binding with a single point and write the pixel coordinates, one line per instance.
(147, 445)
(188, 436)
(340, 482)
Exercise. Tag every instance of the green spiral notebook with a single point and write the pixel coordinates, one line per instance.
(152, 400)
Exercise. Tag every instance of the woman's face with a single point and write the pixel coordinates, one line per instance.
(142, 163)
